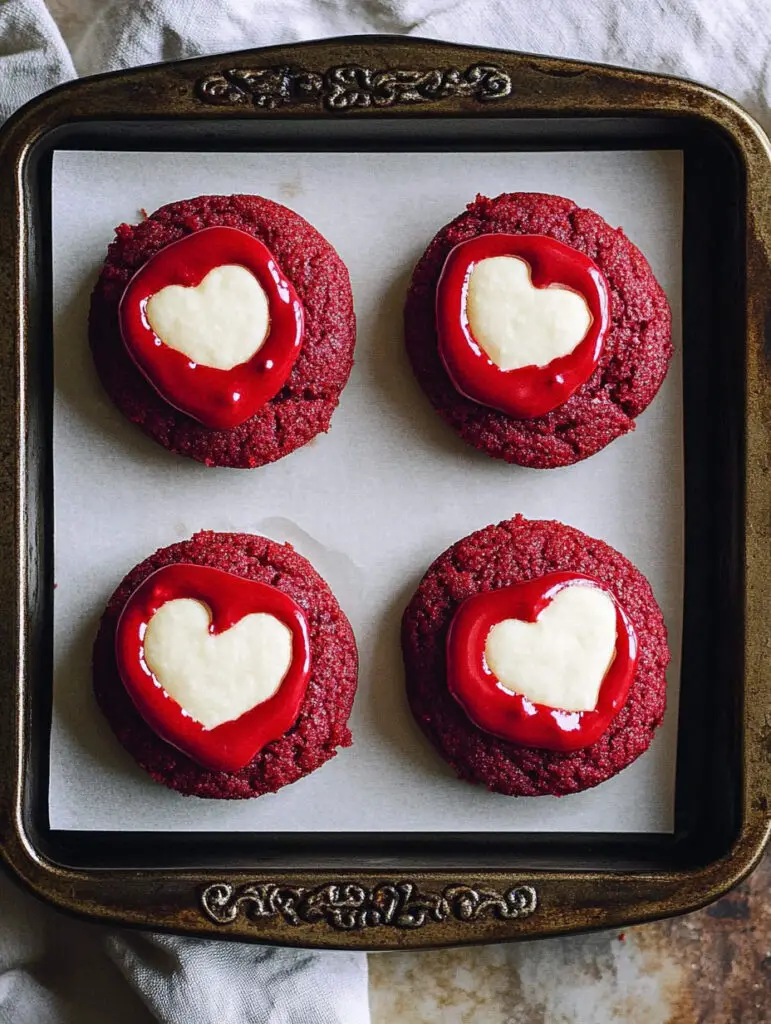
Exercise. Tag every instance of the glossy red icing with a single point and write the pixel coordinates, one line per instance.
(532, 390)
(232, 745)
(510, 715)
(216, 398)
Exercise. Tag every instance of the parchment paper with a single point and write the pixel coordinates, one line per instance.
(370, 504)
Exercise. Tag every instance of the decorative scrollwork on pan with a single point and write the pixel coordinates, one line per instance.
(350, 86)
(346, 906)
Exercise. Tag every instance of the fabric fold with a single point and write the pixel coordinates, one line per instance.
(33, 56)
(183, 981)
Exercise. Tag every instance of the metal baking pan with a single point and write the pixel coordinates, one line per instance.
(388, 891)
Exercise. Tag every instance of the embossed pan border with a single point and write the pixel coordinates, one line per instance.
(366, 77)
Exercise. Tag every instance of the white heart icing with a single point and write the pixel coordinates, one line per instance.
(216, 678)
(561, 659)
(517, 324)
(221, 322)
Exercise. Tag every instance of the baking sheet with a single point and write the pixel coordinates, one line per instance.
(370, 504)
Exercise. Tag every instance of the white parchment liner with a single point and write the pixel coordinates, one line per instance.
(370, 504)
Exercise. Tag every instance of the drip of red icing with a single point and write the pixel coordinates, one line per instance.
(217, 398)
(511, 716)
(530, 391)
(232, 745)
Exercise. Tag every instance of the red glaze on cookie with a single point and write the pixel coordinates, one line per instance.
(530, 391)
(511, 716)
(215, 397)
(232, 745)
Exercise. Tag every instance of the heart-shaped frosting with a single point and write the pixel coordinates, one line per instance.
(216, 664)
(521, 321)
(221, 322)
(216, 677)
(546, 663)
(562, 658)
(517, 324)
(213, 324)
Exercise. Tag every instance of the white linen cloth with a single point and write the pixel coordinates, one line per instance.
(57, 971)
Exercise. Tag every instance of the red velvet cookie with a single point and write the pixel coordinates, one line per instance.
(505, 556)
(326, 695)
(633, 361)
(305, 388)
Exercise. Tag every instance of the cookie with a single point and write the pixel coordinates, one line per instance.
(493, 562)
(632, 357)
(299, 293)
(323, 698)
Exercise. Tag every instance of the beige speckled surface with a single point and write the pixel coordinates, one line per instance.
(592, 978)
(713, 967)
